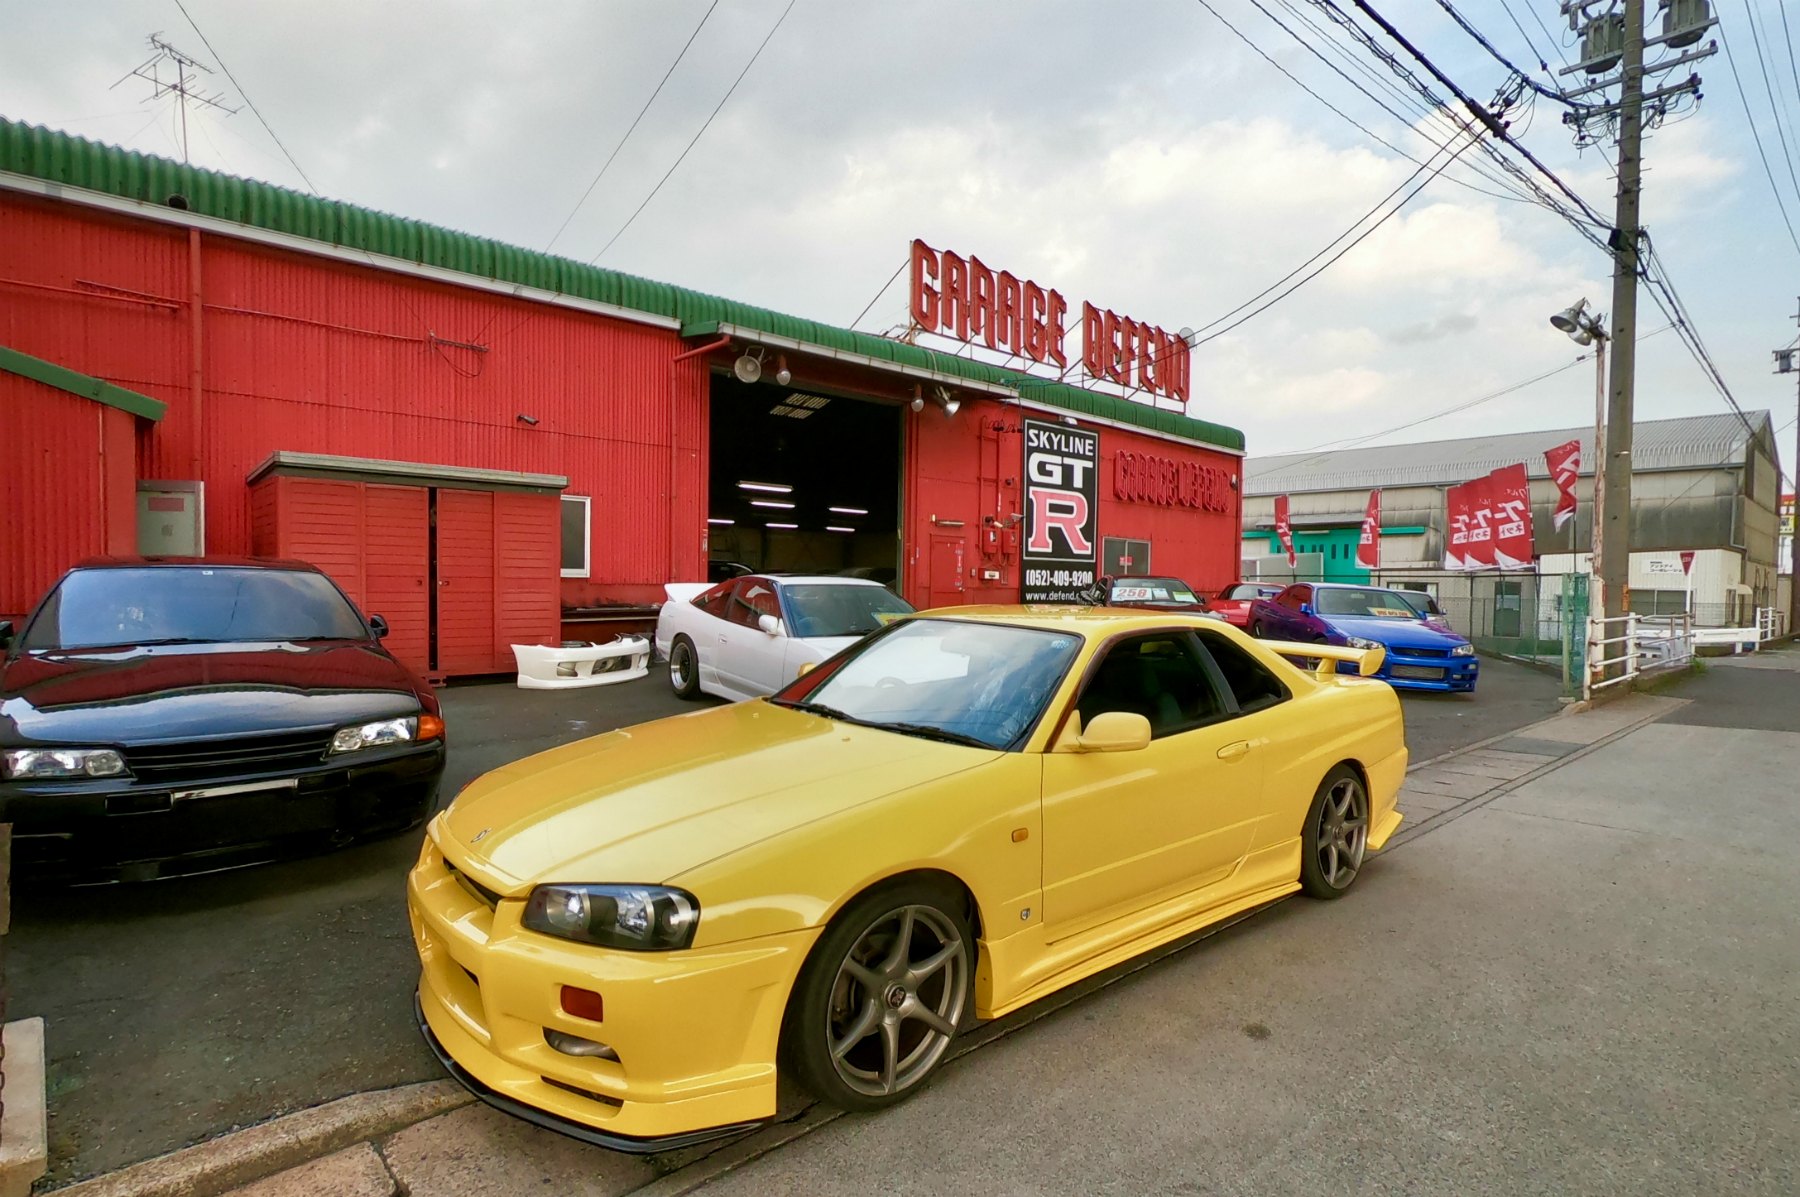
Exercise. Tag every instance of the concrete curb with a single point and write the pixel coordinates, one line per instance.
(23, 1140)
(231, 1161)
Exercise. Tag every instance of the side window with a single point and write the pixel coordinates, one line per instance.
(1159, 676)
(755, 598)
(717, 601)
(1254, 687)
(1292, 597)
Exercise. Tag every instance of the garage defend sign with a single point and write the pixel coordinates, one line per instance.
(1062, 512)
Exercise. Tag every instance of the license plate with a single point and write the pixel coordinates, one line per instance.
(248, 787)
(1418, 673)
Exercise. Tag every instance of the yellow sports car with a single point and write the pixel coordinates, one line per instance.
(962, 813)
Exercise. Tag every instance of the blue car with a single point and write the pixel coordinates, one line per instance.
(1422, 652)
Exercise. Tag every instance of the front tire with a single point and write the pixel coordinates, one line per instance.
(881, 997)
(1335, 839)
(684, 669)
(1256, 629)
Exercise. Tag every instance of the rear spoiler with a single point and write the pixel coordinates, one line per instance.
(681, 592)
(1367, 660)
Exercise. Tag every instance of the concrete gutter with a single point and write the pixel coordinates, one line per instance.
(231, 1161)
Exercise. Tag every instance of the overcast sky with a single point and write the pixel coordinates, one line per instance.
(1133, 152)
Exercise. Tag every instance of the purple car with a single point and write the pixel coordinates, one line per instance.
(1422, 652)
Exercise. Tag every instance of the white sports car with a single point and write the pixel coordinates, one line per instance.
(749, 636)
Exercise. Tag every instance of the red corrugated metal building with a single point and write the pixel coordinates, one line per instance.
(479, 442)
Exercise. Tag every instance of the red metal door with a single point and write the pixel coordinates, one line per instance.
(396, 562)
(946, 580)
(465, 582)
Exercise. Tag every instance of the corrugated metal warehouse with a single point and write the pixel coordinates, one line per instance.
(480, 442)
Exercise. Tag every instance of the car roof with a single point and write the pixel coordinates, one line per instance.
(1091, 622)
(816, 580)
(191, 562)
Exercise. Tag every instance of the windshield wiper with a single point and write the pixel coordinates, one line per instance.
(815, 708)
(928, 732)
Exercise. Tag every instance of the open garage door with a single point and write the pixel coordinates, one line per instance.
(802, 482)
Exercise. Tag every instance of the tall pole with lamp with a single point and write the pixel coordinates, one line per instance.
(1589, 328)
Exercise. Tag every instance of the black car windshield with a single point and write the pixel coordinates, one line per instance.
(982, 683)
(112, 608)
(824, 609)
(1152, 590)
(1362, 601)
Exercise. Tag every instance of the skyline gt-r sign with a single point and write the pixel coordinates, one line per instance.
(1060, 556)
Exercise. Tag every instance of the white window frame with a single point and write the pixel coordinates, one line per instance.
(587, 534)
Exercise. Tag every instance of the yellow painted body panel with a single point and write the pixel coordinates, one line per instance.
(775, 819)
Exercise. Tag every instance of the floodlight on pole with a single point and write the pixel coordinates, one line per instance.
(1585, 328)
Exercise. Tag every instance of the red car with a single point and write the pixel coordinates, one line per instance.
(1233, 603)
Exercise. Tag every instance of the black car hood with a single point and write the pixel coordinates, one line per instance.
(175, 692)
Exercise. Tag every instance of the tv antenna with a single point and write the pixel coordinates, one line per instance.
(169, 70)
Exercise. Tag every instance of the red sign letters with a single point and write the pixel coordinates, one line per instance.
(1149, 478)
(967, 300)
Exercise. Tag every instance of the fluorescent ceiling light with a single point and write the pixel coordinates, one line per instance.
(772, 503)
(774, 488)
(848, 510)
(720, 521)
(835, 528)
(782, 525)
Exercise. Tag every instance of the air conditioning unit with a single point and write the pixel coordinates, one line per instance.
(1603, 44)
(1684, 21)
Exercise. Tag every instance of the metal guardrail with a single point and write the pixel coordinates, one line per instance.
(1611, 642)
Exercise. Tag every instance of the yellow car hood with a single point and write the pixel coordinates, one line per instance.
(647, 802)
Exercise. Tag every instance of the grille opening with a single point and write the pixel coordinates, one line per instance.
(611, 1103)
(472, 977)
(491, 897)
(199, 760)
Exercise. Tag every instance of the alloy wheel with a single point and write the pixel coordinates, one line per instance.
(897, 1001)
(1343, 832)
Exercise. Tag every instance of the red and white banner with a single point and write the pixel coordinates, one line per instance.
(1564, 463)
(1510, 501)
(1284, 531)
(1687, 561)
(1368, 548)
(1487, 522)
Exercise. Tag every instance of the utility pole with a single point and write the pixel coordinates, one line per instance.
(1787, 361)
(182, 84)
(1616, 39)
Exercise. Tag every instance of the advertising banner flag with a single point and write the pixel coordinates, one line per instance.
(1480, 551)
(1368, 548)
(1687, 561)
(1062, 512)
(1564, 463)
(1456, 527)
(1509, 498)
(1284, 531)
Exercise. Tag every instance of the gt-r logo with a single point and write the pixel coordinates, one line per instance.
(1064, 511)
(479, 835)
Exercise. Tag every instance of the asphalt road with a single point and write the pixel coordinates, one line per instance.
(180, 1010)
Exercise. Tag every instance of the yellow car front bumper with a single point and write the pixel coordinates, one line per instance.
(694, 1033)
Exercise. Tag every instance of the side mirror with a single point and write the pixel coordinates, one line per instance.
(379, 626)
(6, 633)
(1115, 731)
(769, 624)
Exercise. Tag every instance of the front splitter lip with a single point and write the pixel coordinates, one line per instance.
(628, 1144)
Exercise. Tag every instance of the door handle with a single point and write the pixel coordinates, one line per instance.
(1234, 750)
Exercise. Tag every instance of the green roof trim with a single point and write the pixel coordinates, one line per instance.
(84, 385)
(71, 161)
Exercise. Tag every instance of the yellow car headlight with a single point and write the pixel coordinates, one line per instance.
(635, 918)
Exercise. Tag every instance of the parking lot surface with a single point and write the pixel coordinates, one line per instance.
(180, 1010)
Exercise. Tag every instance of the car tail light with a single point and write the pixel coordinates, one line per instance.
(583, 1003)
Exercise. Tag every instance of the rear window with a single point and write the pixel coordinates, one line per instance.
(1245, 590)
(1152, 590)
(115, 608)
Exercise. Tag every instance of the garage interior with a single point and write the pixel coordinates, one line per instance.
(802, 481)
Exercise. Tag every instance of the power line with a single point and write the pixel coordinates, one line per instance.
(607, 165)
(1774, 109)
(1554, 44)
(1494, 52)
(696, 138)
(1756, 135)
(257, 112)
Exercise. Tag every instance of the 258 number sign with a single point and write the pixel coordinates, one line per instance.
(1062, 512)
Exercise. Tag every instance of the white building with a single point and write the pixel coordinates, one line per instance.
(1705, 485)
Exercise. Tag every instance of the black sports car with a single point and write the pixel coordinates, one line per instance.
(165, 716)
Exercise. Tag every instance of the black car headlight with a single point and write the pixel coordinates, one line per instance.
(636, 918)
(30, 764)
